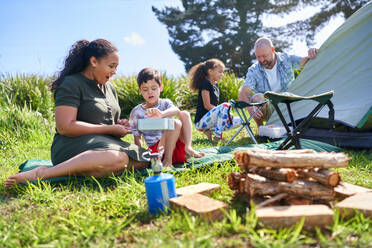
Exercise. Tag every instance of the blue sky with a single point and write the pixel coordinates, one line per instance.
(35, 35)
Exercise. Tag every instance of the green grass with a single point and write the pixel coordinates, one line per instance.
(112, 212)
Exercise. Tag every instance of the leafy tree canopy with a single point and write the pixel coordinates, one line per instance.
(227, 29)
(306, 29)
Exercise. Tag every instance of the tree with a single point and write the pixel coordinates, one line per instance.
(306, 29)
(227, 29)
(223, 29)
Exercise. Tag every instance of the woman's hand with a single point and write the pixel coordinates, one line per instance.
(124, 122)
(119, 130)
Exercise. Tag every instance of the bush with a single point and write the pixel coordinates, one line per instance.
(32, 91)
(27, 91)
(18, 123)
(229, 87)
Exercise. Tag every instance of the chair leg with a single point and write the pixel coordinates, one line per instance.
(237, 132)
(245, 123)
(250, 132)
(293, 137)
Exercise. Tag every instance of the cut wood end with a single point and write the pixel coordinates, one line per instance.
(291, 176)
(334, 179)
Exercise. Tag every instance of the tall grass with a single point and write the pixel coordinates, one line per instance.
(27, 91)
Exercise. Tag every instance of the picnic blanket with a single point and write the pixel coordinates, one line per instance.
(217, 154)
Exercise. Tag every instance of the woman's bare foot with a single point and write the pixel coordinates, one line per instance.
(192, 153)
(26, 176)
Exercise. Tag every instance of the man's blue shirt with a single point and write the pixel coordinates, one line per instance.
(256, 78)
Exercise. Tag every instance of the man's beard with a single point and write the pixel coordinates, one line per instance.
(268, 64)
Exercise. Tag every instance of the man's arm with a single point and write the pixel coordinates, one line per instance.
(311, 54)
(245, 93)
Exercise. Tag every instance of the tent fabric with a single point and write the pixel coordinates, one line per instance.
(344, 65)
(212, 155)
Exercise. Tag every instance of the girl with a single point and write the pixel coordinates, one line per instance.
(211, 117)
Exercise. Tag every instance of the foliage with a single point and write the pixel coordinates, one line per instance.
(128, 94)
(228, 29)
(27, 91)
(229, 87)
(306, 29)
(20, 123)
(222, 29)
(31, 92)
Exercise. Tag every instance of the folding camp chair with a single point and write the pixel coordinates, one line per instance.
(239, 107)
(293, 136)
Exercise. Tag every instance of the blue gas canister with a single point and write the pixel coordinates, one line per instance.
(160, 187)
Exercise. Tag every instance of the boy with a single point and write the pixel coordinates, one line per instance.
(177, 142)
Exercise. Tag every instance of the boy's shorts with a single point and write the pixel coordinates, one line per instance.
(179, 154)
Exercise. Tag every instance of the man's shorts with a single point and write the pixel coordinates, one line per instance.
(269, 106)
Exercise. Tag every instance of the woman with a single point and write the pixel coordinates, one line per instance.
(87, 141)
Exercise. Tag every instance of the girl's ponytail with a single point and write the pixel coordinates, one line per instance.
(199, 72)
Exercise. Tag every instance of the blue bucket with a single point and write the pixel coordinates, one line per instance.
(159, 189)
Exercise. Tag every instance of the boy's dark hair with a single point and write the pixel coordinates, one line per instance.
(148, 74)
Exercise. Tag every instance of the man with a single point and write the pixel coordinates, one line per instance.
(273, 71)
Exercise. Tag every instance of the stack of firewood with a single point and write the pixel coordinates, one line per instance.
(290, 176)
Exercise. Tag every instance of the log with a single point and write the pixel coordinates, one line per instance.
(272, 200)
(242, 183)
(298, 201)
(233, 180)
(325, 177)
(307, 189)
(242, 159)
(290, 159)
(253, 184)
(298, 151)
(278, 174)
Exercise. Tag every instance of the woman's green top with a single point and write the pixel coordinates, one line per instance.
(96, 106)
